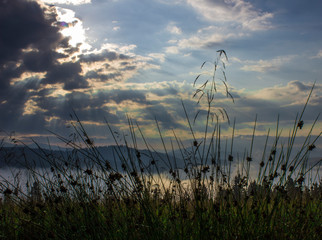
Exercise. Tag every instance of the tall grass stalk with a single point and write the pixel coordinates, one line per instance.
(207, 190)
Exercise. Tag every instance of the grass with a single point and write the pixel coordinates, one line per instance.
(81, 196)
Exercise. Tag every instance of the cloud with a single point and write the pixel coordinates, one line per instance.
(124, 95)
(172, 28)
(35, 61)
(23, 24)
(207, 38)
(171, 2)
(285, 100)
(265, 65)
(218, 32)
(102, 55)
(234, 11)
(172, 50)
(43, 76)
(294, 93)
(72, 2)
(113, 63)
(158, 56)
(165, 91)
(67, 73)
(28, 43)
(72, 27)
(162, 115)
(228, 19)
(318, 55)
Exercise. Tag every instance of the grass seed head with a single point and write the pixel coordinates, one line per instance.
(88, 171)
(300, 124)
(283, 167)
(311, 147)
(7, 191)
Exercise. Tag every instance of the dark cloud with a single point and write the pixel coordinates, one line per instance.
(7, 72)
(71, 49)
(61, 107)
(300, 86)
(177, 106)
(29, 39)
(13, 109)
(92, 74)
(40, 61)
(165, 91)
(133, 95)
(128, 68)
(102, 77)
(67, 73)
(103, 56)
(28, 42)
(245, 109)
(87, 107)
(296, 7)
(162, 115)
(31, 83)
(23, 24)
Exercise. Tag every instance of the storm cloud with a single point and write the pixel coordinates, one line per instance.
(42, 76)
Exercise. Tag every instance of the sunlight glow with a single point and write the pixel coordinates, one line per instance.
(27, 75)
(73, 2)
(31, 108)
(72, 27)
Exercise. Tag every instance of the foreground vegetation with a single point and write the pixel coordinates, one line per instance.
(285, 213)
(81, 196)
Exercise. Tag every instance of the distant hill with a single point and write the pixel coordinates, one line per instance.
(25, 157)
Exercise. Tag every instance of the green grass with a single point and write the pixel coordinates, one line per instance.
(203, 200)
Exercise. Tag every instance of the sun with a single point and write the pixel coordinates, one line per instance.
(72, 27)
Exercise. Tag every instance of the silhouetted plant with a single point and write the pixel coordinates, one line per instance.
(83, 196)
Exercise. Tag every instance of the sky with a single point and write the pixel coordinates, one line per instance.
(118, 59)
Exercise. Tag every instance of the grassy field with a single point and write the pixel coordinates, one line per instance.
(205, 199)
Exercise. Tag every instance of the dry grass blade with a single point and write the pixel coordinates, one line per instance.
(222, 52)
(231, 96)
(209, 91)
(196, 115)
(194, 83)
(203, 93)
